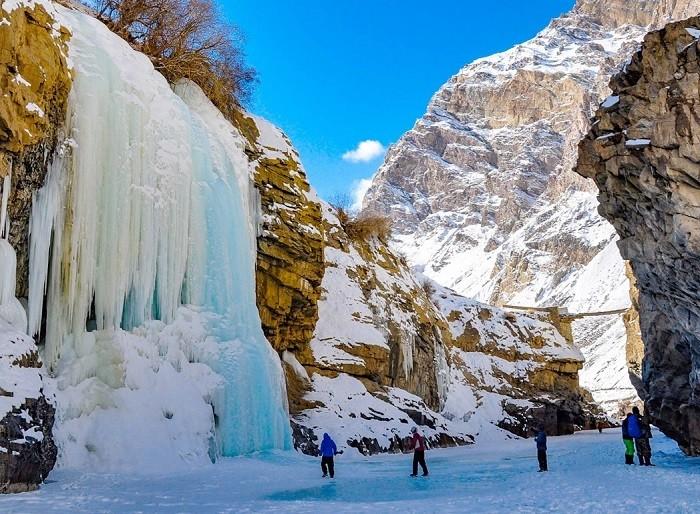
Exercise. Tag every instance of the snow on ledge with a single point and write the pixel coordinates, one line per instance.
(637, 143)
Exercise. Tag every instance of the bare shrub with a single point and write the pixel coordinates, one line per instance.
(366, 227)
(341, 203)
(360, 227)
(428, 287)
(184, 39)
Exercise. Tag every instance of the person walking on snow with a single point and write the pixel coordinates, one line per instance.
(417, 444)
(630, 432)
(642, 442)
(328, 451)
(541, 441)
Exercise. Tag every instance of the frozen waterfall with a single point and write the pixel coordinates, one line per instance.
(142, 255)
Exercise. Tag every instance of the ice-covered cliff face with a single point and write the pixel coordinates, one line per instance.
(141, 272)
(482, 190)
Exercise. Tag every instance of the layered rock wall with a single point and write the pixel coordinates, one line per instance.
(35, 82)
(290, 243)
(643, 154)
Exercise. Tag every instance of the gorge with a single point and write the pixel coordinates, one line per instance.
(175, 267)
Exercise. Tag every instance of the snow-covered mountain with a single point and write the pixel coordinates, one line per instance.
(481, 189)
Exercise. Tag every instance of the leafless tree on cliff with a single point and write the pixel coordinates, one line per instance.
(185, 39)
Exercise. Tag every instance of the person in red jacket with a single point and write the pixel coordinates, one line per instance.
(417, 444)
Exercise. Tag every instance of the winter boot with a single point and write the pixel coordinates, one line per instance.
(629, 459)
(641, 460)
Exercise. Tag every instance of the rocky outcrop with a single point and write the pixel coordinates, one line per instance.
(290, 245)
(642, 153)
(518, 364)
(35, 81)
(387, 350)
(290, 262)
(27, 450)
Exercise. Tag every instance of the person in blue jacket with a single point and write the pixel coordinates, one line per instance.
(541, 441)
(630, 431)
(328, 451)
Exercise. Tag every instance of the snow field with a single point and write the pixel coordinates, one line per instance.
(587, 475)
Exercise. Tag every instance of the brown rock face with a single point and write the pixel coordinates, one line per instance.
(290, 263)
(35, 81)
(531, 364)
(290, 245)
(399, 308)
(643, 154)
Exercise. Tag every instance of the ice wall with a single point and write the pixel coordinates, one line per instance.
(148, 207)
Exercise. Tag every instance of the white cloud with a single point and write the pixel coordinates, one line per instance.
(366, 151)
(359, 189)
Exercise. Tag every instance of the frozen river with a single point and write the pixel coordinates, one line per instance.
(587, 474)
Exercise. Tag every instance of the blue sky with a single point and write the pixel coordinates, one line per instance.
(334, 73)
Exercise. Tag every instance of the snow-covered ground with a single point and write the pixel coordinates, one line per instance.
(587, 475)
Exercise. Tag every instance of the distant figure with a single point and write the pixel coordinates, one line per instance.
(630, 431)
(328, 451)
(417, 444)
(600, 426)
(642, 442)
(541, 441)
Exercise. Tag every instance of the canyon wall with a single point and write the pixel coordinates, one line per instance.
(643, 154)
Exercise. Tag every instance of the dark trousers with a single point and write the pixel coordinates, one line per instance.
(419, 458)
(542, 459)
(643, 450)
(327, 466)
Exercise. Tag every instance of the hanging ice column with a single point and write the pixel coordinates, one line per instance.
(221, 276)
(148, 208)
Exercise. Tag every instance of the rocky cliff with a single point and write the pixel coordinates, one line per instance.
(35, 81)
(290, 244)
(642, 153)
(481, 187)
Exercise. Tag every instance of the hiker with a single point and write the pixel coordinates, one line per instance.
(600, 426)
(417, 444)
(630, 431)
(328, 451)
(642, 442)
(541, 441)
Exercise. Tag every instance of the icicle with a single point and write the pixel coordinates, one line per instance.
(6, 188)
(45, 208)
